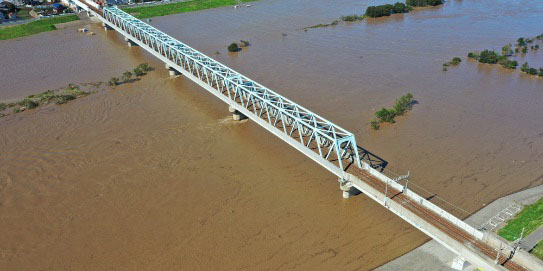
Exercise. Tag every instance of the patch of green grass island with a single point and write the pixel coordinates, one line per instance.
(35, 27)
(179, 7)
(530, 218)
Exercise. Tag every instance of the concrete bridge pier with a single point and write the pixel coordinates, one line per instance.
(172, 71)
(459, 263)
(236, 115)
(346, 187)
(106, 27)
(129, 42)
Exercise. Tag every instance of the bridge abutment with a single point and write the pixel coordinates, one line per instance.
(459, 263)
(236, 115)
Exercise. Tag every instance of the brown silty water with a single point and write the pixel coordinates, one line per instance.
(154, 175)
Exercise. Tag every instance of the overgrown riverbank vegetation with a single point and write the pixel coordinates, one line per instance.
(508, 51)
(401, 106)
(529, 219)
(179, 7)
(66, 94)
(381, 10)
(35, 27)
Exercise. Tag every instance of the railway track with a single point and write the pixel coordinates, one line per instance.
(435, 220)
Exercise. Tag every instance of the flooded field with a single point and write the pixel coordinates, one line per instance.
(154, 175)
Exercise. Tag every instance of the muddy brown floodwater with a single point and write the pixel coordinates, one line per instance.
(153, 175)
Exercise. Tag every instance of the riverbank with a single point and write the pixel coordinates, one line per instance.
(180, 7)
(35, 27)
(433, 256)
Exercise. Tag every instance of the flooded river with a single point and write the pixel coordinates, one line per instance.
(153, 175)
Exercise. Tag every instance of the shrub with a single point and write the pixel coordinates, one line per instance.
(138, 72)
(524, 50)
(374, 124)
(473, 55)
(540, 72)
(403, 104)
(233, 47)
(352, 18)
(509, 64)
(386, 115)
(507, 50)
(64, 98)
(455, 61)
(524, 67)
(113, 81)
(521, 42)
(532, 71)
(28, 103)
(3, 106)
(244, 43)
(489, 57)
(126, 76)
(144, 67)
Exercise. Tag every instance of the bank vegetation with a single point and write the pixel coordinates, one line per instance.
(34, 27)
(179, 7)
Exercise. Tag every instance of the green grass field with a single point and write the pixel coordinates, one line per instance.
(47, 24)
(530, 219)
(538, 250)
(180, 7)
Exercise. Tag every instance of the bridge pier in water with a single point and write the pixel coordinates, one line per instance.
(107, 27)
(172, 71)
(129, 42)
(347, 188)
(236, 115)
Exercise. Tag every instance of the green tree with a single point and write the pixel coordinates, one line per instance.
(233, 47)
(400, 8)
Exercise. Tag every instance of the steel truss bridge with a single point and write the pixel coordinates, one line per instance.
(326, 143)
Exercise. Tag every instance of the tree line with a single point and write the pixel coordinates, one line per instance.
(398, 7)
